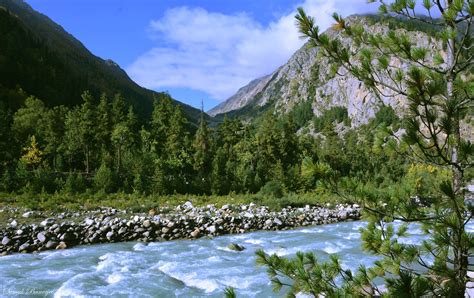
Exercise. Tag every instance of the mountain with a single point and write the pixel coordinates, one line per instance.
(40, 57)
(308, 80)
(244, 96)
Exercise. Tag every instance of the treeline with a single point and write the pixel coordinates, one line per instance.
(102, 146)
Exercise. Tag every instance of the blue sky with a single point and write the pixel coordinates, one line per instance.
(196, 50)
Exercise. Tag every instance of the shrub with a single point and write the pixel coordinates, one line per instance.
(272, 189)
(104, 179)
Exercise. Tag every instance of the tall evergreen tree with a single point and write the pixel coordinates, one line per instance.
(202, 153)
(162, 111)
(53, 133)
(88, 128)
(118, 110)
(104, 122)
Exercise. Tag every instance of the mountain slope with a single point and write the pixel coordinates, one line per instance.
(308, 76)
(39, 56)
(243, 96)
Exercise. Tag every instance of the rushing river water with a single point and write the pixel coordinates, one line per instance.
(183, 268)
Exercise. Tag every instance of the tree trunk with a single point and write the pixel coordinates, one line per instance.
(119, 158)
(460, 253)
(87, 158)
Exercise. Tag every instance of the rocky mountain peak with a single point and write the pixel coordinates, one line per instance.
(307, 76)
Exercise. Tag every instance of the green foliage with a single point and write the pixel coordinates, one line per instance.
(74, 184)
(46, 61)
(438, 97)
(385, 116)
(230, 293)
(272, 189)
(170, 157)
(104, 179)
(331, 116)
(301, 113)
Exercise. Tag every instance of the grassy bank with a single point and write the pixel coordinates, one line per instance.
(139, 203)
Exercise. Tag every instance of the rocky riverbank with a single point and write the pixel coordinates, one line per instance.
(107, 225)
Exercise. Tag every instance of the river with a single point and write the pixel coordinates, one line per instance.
(182, 268)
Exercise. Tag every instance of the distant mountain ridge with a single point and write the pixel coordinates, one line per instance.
(243, 96)
(307, 76)
(43, 59)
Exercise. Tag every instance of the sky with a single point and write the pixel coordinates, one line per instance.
(195, 50)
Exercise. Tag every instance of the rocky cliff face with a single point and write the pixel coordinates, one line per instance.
(308, 76)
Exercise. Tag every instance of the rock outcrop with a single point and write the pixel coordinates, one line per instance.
(307, 76)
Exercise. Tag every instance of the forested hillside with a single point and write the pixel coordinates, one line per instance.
(37, 57)
(57, 137)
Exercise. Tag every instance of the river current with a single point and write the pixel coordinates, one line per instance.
(182, 268)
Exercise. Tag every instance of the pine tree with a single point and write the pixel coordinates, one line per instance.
(104, 122)
(53, 133)
(88, 128)
(81, 132)
(177, 156)
(438, 85)
(71, 145)
(162, 111)
(219, 178)
(202, 154)
(118, 110)
(268, 147)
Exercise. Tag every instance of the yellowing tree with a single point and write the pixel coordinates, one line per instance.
(33, 154)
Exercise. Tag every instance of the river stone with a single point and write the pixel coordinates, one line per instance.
(188, 205)
(41, 237)
(146, 223)
(249, 215)
(89, 222)
(61, 245)
(14, 224)
(5, 240)
(51, 244)
(212, 229)
(268, 222)
(24, 247)
(236, 247)
(27, 214)
(277, 221)
(47, 222)
(195, 233)
(109, 235)
(122, 230)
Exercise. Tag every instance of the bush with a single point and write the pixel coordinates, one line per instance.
(328, 117)
(104, 179)
(7, 181)
(272, 189)
(75, 183)
(385, 116)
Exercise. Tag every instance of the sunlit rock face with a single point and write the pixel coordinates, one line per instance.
(308, 76)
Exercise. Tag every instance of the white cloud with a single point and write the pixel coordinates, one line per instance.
(218, 53)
